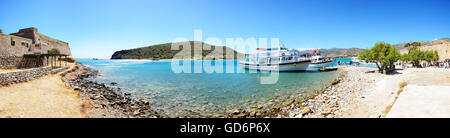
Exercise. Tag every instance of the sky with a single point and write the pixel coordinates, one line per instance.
(98, 28)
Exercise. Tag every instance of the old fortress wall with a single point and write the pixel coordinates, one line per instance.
(28, 41)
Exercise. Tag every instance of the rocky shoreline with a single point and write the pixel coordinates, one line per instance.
(281, 108)
(101, 100)
(329, 102)
(335, 100)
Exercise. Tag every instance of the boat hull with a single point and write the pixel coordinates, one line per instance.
(316, 66)
(296, 66)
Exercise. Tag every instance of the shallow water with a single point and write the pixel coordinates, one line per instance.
(346, 61)
(205, 93)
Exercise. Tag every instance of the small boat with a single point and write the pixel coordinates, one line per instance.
(276, 59)
(318, 61)
(355, 60)
(94, 58)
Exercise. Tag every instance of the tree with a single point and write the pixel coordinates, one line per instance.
(435, 56)
(412, 45)
(416, 56)
(383, 55)
(404, 57)
(428, 56)
(1, 32)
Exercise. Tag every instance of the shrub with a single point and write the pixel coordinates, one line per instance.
(53, 51)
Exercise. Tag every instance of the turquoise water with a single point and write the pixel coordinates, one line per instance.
(346, 61)
(205, 93)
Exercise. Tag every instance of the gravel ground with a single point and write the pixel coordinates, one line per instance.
(364, 93)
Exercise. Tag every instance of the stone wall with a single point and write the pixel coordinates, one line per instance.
(14, 77)
(20, 47)
(18, 62)
(48, 43)
(43, 43)
(9, 62)
(27, 41)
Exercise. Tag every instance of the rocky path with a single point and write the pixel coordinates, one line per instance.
(46, 97)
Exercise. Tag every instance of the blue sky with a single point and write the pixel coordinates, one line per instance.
(97, 28)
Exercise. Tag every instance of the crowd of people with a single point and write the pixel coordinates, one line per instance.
(442, 64)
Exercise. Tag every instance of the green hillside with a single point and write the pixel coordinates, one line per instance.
(163, 51)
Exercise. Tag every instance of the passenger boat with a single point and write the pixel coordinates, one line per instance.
(276, 59)
(318, 61)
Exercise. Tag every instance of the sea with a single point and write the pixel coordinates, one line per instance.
(208, 93)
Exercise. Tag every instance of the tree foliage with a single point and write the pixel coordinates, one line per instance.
(416, 56)
(383, 55)
(53, 51)
(1, 32)
(412, 46)
(404, 57)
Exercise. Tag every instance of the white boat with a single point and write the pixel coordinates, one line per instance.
(318, 61)
(355, 60)
(276, 59)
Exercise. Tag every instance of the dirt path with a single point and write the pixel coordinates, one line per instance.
(45, 97)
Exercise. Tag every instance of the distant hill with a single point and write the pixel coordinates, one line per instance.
(401, 46)
(442, 46)
(338, 52)
(163, 51)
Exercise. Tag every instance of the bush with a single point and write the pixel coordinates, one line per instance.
(53, 51)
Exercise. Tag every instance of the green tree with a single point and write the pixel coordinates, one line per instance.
(416, 56)
(435, 56)
(1, 32)
(412, 46)
(428, 56)
(383, 55)
(404, 57)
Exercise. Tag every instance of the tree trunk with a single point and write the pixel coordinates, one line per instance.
(378, 66)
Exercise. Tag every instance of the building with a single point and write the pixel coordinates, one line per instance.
(29, 48)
